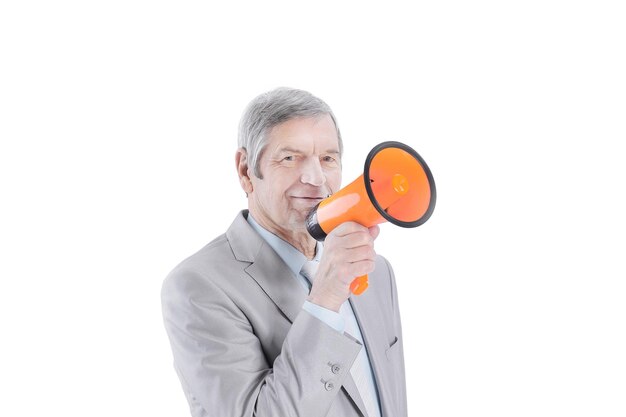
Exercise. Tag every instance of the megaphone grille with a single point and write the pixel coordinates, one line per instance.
(399, 184)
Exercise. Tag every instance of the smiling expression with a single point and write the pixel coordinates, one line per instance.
(300, 166)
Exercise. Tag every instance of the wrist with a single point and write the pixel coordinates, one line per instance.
(325, 303)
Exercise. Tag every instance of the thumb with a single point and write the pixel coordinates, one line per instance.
(374, 231)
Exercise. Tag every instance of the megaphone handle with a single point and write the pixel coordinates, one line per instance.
(359, 285)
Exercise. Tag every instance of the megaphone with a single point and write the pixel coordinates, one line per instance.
(396, 186)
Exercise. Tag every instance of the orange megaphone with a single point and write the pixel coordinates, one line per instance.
(396, 186)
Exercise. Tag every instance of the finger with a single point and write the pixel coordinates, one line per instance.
(374, 231)
(362, 253)
(347, 228)
(355, 240)
(362, 268)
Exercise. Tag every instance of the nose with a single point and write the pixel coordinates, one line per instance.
(312, 172)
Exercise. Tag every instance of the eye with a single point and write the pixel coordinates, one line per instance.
(328, 159)
(289, 158)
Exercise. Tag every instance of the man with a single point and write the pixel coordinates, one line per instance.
(261, 321)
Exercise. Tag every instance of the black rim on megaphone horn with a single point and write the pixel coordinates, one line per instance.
(429, 176)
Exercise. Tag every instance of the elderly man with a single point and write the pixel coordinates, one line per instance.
(261, 321)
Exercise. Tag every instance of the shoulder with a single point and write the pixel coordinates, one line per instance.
(383, 281)
(383, 266)
(199, 271)
(383, 271)
(214, 266)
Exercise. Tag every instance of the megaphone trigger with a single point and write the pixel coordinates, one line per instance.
(359, 285)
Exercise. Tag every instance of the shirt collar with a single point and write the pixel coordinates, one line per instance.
(290, 255)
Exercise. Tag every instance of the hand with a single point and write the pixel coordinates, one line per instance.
(348, 253)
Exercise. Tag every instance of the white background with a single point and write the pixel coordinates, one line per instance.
(118, 129)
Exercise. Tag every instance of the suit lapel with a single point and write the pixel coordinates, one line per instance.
(266, 268)
(276, 279)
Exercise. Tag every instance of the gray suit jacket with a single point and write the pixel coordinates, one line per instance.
(243, 346)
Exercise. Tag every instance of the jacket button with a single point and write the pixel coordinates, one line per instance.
(330, 385)
(336, 369)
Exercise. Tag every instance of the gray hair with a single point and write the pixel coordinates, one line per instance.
(272, 108)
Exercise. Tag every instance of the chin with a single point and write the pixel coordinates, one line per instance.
(297, 220)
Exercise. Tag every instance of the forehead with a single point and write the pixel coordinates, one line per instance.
(304, 132)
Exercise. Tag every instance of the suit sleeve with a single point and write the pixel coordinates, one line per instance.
(222, 365)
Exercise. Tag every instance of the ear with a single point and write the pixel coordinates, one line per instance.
(241, 162)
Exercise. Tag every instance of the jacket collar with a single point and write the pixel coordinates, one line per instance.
(266, 267)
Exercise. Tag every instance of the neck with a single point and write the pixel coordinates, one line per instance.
(303, 242)
(298, 237)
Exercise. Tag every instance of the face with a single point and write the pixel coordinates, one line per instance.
(300, 166)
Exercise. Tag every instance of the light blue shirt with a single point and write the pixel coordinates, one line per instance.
(295, 260)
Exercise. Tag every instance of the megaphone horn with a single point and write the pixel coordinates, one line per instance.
(396, 186)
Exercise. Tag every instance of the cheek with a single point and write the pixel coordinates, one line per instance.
(278, 187)
(334, 181)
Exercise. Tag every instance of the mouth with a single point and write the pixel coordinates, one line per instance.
(308, 200)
